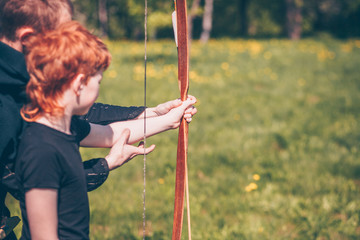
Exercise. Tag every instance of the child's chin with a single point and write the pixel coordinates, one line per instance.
(82, 111)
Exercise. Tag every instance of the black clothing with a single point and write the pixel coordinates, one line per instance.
(104, 114)
(13, 80)
(50, 159)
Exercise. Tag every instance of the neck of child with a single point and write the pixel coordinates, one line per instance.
(61, 123)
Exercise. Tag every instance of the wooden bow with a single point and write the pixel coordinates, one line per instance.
(181, 36)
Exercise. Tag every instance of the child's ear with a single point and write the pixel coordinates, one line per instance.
(78, 84)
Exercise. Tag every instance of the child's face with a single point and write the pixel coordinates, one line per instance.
(90, 92)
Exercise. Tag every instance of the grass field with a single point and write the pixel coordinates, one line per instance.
(273, 151)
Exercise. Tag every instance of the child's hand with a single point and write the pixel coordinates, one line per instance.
(121, 152)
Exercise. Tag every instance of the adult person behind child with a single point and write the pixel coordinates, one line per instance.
(18, 20)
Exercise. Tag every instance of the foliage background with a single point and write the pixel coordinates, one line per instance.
(339, 18)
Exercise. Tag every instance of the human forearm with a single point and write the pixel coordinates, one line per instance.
(154, 126)
(148, 113)
(106, 136)
(104, 114)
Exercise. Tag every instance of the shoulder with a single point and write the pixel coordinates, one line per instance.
(37, 136)
(36, 145)
(35, 152)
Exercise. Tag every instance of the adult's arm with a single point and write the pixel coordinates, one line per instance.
(104, 114)
(97, 170)
(106, 136)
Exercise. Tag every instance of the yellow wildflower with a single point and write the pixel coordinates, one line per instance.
(112, 74)
(256, 177)
(357, 43)
(225, 66)
(301, 82)
(161, 181)
(251, 187)
(346, 47)
(254, 47)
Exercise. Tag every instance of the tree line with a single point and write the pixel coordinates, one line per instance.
(124, 19)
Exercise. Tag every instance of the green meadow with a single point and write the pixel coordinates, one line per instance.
(274, 150)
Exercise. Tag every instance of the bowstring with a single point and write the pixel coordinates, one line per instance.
(145, 104)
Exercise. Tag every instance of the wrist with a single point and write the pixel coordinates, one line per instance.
(166, 121)
(151, 112)
(110, 162)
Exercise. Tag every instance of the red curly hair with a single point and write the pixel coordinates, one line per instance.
(53, 60)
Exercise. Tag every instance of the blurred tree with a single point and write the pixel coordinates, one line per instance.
(194, 11)
(266, 18)
(294, 18)
(207, 20)
(119, 19)
(103, 18)
(243, 7)
(339, 17)
(228, 17)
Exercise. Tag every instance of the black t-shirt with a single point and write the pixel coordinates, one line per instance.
(51, 159)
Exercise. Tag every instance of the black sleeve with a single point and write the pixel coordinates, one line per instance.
(80, 128)
(104, 114)
(96, 171)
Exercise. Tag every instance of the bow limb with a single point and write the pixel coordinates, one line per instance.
(183, 78)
